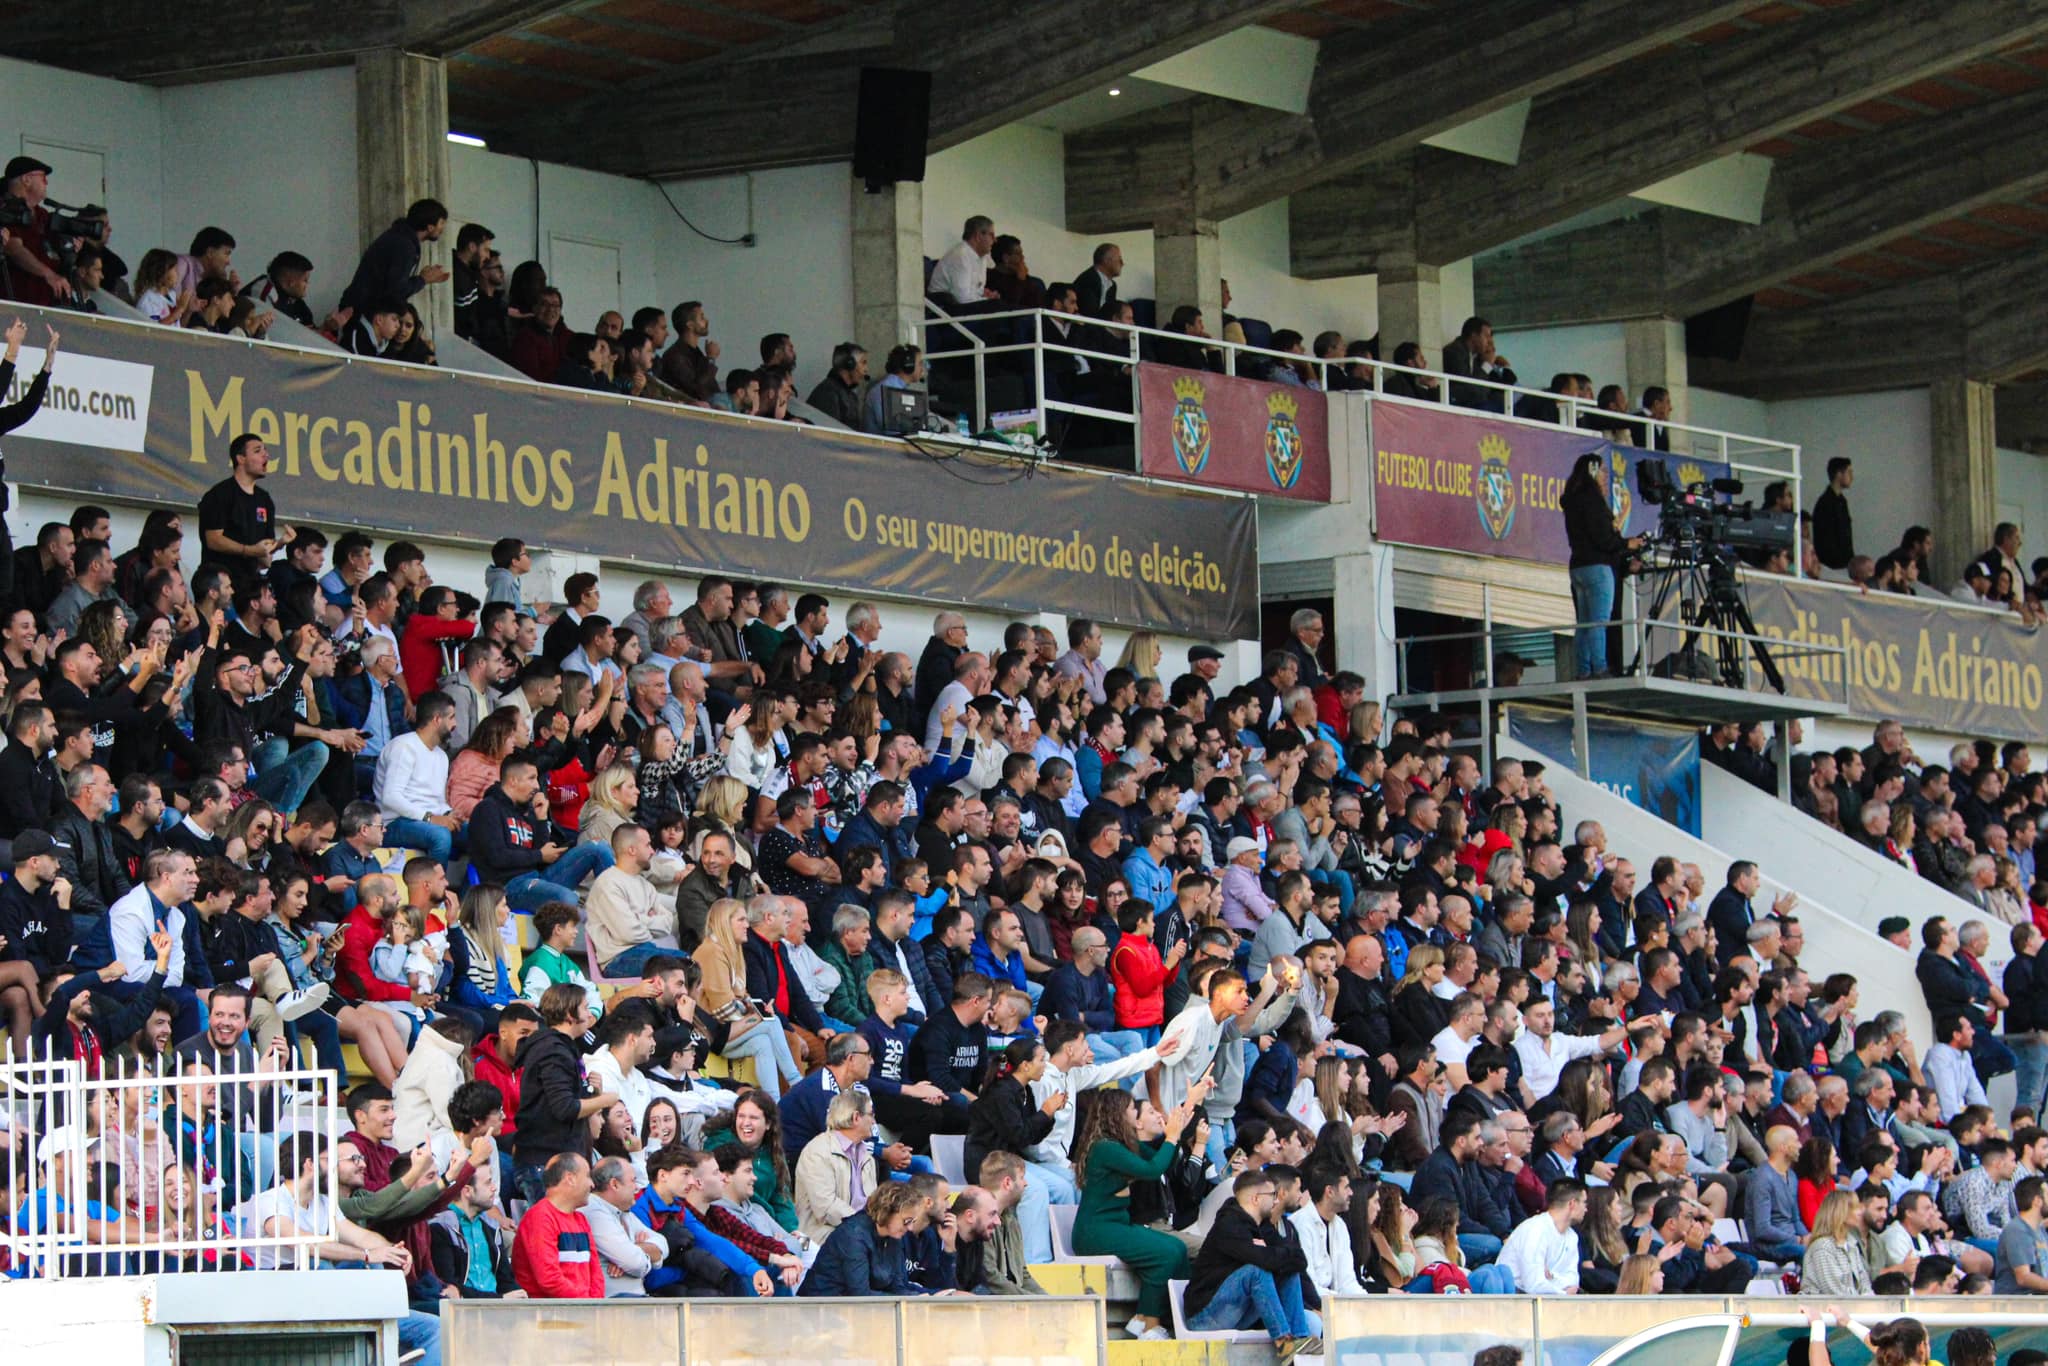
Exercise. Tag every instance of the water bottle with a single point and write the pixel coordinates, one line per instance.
(965, 428)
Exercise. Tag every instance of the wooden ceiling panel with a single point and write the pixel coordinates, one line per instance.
(1932, 251)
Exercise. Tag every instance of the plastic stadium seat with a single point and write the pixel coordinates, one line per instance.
(1063, 1238)
(1144, 312)
(1257, 331)
(1174, 1291)
(949, 1154)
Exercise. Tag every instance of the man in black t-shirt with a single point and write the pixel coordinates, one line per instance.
(238, 527)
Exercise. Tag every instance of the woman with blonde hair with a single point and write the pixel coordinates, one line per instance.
(1603, 1252)
(1419, 1013)
(1393, 1237)
(1365, 723)
(1641, 1274)
(1141, 655)
(1834, 1262)
(722, 807)
(486, 974)
(722, 958)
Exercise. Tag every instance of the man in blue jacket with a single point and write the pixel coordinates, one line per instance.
(518, 850)
(1453, 1172)
(1080, 990)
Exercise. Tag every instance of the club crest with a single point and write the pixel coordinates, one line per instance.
(1283, 440)
(1618, 497)
(1495, 491)
(1191, 433)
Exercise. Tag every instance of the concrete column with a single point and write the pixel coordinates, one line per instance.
(1187, 268)
(1362, 602)
(1411, 309)
(1965, 470)
(1655, 351)
(888, 268)
(402, 157)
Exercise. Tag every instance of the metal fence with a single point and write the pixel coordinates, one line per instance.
(1014, 344)
(124, 1169)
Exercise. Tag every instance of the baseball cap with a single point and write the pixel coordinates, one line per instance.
(1977, 570)
(21, 166)
(32, 844)
(1240, 845)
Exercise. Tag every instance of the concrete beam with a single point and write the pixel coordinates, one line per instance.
(1601, 139)
(1373, 94)
(987, 71)
(210, 40)
(1834, 202)
(1598, 274)
(1897, 338)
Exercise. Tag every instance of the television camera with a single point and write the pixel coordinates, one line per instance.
(1693, 557)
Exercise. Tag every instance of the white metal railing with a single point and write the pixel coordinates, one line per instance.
(137, 1170)
(1744, 454)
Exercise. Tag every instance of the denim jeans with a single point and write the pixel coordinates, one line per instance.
(421, 1331)
(1990, 1056)
(629, 963)
(325, 1033)
(435, 842)
(559, 880)
(1116, 1044)
(1592, 600)
(1222, 1133)
(1250, 1297)
(1478, 1248)
(1341, 882)
(1044, 1187)
(2030, 1058)
(774, 1065)
(285, 782)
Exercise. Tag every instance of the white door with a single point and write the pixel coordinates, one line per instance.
(78, 175)
(587, 273)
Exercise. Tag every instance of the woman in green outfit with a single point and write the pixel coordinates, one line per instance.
(1118, 1142)
(755, 1123)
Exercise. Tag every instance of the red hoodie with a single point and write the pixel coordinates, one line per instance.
(1139, 975)
(419, 650)
(484, 1055)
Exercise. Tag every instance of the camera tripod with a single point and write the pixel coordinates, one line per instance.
(1709, 599)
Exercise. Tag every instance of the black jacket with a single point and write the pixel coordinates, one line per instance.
(37, 932)
(1363, 1017)
(1003, 1119)
(505, 840)
(114, 1020)
(1235, 1241)
(388, 271)
(948, 1054)
(1589, 528)
(942, 965)
(1834, 532)
(28, 790)
(86, 858)
(551, 1095)
(1440, 1175)
(763, 959)
(2026, 987)
(1945, 982)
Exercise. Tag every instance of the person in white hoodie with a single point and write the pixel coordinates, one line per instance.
(629, 1248)
(1070, 1069)
(1325, 1235)
(427, 1080)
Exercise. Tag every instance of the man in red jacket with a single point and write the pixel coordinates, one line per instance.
(419, 649)
(493, 1054)
(552, 1258)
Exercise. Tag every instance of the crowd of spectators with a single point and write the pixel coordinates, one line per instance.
(1285, 998)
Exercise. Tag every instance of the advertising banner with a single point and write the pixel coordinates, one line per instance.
(1450, 480)
(1655, 767)
(1919, 661)
(147, 413)
(1231, 433)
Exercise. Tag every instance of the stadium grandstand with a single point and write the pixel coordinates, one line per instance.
(1235, 680)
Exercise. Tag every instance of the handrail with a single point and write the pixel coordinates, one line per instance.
(1570, 409)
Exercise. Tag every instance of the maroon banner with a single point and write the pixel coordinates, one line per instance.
(1454, 481)
(1231, 433)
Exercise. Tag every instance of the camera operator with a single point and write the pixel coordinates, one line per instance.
(1598, 550)
(32, 274)
(14, 415)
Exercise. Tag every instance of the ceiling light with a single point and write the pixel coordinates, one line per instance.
(1114, 92)
(467, 139)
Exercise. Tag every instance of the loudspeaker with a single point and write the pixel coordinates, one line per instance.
(891, 125)
(1717, 334)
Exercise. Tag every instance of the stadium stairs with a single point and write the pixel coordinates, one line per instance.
(1782, 844)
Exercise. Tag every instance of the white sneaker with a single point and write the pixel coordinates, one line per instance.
(1158, 1334)
(1136, 1327)
(295, 1004)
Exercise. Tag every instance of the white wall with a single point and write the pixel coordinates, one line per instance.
(273, 161)
(1889, 436)
(2023, 496)
(1729, 412)
(1537, 353)
(121, 121)
(798, 278)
